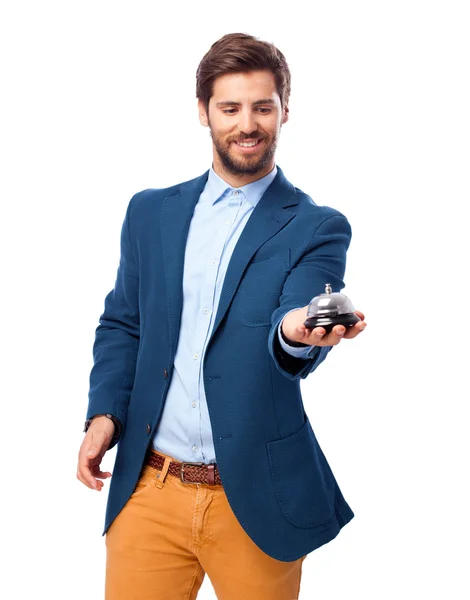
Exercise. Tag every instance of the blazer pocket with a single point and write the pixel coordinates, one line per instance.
(257, 260)
(303, 481)
(282, 256)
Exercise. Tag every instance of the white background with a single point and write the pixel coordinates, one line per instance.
(97, 103)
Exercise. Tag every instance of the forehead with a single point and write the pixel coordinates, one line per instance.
(245, 87)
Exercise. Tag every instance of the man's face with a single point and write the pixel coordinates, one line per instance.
(245, 119)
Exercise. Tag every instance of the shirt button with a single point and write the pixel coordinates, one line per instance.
(235, 193)
(193, 404)
(214, 262)
(206, 310)
(227, 222)
(194, 448)
(196, 356)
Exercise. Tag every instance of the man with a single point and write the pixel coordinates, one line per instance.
(198, 359)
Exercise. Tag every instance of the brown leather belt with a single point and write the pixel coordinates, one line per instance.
(188, 472)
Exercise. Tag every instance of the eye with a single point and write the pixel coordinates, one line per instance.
(229, 111)
(264, 111)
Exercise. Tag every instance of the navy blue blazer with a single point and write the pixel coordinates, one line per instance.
(276, 477)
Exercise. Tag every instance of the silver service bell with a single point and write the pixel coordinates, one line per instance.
(330, 309)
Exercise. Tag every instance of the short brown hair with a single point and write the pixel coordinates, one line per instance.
(241, 53)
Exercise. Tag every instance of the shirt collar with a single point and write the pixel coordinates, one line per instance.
(217, 188)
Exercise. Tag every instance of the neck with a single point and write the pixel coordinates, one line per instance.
(241, 179)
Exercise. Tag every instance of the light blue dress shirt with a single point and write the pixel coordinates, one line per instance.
(184, 431)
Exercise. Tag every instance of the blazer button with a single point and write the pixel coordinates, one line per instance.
(165, 373)
(149, 429)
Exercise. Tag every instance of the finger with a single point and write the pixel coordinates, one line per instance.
(86, 478)
(86, 475)
(314, 335)
(89, 475)
(339, 330)
(335, 335)
(355, 330)
(96, 471)
(359, 314)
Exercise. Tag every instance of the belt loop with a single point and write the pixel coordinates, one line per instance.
(211, 473)
(160, 480)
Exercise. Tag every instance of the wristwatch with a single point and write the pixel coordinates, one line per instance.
(117, 426)
(292, 343)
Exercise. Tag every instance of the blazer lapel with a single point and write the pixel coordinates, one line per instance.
(177, 212)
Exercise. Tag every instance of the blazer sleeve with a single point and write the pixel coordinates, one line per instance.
(117, 338)
(323, 262)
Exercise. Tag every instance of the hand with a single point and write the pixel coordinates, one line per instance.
(96, 442)
(294, 329)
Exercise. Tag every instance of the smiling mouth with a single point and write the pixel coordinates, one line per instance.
(249, 143)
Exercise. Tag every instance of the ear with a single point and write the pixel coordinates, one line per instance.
(285, 115)
(203, 119)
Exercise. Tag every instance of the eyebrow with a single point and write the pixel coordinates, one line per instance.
(233, 103)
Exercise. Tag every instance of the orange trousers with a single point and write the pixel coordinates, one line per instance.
(170, 534)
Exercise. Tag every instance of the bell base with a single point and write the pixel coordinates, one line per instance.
(348, 320)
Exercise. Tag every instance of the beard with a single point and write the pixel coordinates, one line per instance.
(244, 165)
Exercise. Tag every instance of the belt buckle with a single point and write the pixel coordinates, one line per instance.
(197, 464)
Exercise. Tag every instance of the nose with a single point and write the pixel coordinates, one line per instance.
(247, 123)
